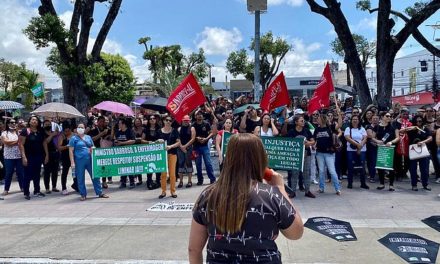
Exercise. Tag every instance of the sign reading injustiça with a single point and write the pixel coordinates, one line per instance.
(129, 160)
(284, 153)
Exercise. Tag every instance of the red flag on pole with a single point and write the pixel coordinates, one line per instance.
(185, 98)
(276, 94)
(321, 96)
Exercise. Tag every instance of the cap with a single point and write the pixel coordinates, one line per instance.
(186, 118)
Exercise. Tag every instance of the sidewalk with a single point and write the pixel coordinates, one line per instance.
(119, 229)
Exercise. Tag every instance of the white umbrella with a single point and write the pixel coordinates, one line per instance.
(53, 110)
(10, 105)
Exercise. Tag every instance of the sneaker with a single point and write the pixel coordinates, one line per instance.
(301, 189)
(1, 198)
(104, 185)
(437, 181)
(310, 194)
(338, 192)
(344, 177)
(315, 182)
(391, 189)
(426, 188)
(366, 187)
(65, 192)
(139, 183)
(371, 180)
(27, 197)
(55, 190)
(414, 188)
(131, 185)
(199, 183)
(122, 186)
(380, 187)
(48, 192)
(292, 195)
(40, 194)
(321, 191)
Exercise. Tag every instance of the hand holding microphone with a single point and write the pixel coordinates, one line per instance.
(275, 179)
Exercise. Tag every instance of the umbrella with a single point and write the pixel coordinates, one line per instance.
(244, 107)
(10, 105)
(155, 103)
(115, 107)
(53, 110)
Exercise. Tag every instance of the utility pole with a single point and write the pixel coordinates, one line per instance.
(435, 91)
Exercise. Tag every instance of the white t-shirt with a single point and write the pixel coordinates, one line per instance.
(11, 152)
(356, 134)
(268, 133)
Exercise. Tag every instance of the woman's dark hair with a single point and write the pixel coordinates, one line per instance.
(232, 124)
(296, 118)
(67, 124)
(38, 121)
(383, 113)
(156, 117)
(8, 122)
(351, 121)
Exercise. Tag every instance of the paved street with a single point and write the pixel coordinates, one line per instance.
(61, 229)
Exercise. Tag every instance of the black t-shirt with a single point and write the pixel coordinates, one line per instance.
(171, 138)
(202, 130)
(251, 125)
(304, 133)
(94, 132)
(123, 136)
(266, 214)
(386, 134)
(416, 136)
(324, 139)
(34, 142)
(51, 146)
(152, 134)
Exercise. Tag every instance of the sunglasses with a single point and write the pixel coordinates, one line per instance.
(152, 118)
(387, 115)
(168, 120)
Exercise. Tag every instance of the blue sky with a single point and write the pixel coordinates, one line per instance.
(218, 26)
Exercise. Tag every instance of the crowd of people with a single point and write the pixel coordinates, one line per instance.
(340, 143)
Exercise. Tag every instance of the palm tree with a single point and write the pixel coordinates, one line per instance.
(27, 80)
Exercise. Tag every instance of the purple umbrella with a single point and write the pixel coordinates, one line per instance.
(115, 107)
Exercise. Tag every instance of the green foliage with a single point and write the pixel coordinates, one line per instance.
(111, 79)
(416, 8)
(169, 65)
(363, 5)
(272, 51)
(9, 76)
(366, 49)
(45, 29)
(27, 80)
(54, 63)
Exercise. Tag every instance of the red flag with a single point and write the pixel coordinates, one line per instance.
(321, 96)
(185, 98)
(276, 94)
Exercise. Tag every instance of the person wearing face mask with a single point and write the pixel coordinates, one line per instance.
(52, 157)
(32, 152)
(12, 155)
(80, 153)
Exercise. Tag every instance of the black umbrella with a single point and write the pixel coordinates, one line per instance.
(412, 248)
(433, 221)
(333, 228)
(155, 103)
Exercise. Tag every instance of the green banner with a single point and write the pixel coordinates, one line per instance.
(284, 153)
(38, 90)
(225, 140)
(385, 158)
(129, 160)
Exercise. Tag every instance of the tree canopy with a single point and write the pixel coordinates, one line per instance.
(389, 40)
(169, 65)
(272, 52)
(72, 43)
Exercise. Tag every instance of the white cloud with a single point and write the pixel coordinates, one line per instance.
(66, 17)
(365, 24)
(218, 41)
(298, 63)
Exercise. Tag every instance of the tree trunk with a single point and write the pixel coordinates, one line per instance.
(384, 81)
(74, 92)
(348, 76)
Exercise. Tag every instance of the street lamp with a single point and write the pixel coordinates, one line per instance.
(256, 7)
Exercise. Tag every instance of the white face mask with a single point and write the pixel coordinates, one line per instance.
(80, 130)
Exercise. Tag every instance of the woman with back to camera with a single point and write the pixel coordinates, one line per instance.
(240, 216)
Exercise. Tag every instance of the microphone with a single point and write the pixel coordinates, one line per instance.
(268, 173)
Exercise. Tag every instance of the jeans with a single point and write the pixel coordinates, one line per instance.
(32, 172)
(424, 171)
(203, 152)
(327, 160)
(371, 160)
(305, 174)
(81, 165)
(10, 165)
(313, 165)
(356, 160)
